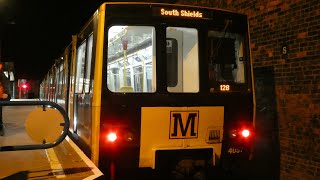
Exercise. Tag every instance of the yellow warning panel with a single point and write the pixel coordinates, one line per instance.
(166, 128)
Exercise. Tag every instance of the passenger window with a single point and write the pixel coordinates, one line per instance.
(88, 64)
(131, 63)
(57, 82)
(80, 67)
(182, 60)
(60, 79)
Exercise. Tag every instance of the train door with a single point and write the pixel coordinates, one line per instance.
(182, 60)
(72, 84)
(83, 91)
(79, 77)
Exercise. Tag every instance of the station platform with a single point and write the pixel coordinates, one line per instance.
(65, 161)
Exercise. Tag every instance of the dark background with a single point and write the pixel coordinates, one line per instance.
(33, 33)
(293, 81)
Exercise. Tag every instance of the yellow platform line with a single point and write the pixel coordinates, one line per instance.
(55, 165)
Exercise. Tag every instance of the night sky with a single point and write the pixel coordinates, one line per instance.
(35, 32)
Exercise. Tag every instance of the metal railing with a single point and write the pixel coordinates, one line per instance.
(44, 104)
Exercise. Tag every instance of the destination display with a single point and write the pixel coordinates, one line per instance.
(177, 12)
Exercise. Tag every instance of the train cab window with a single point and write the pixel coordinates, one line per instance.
(88, 65)
(182, 60)
(80, 67)
(131, 59)
(226, 59)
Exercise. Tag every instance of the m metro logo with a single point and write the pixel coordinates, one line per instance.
(183, 124)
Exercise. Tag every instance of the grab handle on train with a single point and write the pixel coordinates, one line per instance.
(47, 124)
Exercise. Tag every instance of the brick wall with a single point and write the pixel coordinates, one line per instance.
(295, 23)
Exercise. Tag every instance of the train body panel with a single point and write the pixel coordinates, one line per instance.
(174, 128)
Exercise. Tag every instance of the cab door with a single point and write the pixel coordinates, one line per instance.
(182, 60)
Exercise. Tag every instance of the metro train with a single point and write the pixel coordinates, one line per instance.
(154, 88)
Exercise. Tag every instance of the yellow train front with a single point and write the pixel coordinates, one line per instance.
(159, 89)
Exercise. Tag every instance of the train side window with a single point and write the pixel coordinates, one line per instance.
(57, 79)
(80, 67)
(60, 80)
(46, 90)
(88, 65)
(131, 63)
(51, 85)
(182, 60)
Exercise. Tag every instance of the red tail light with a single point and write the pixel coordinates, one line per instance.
(245, 133)
(24, 86)
(240, 133)
(112, 137)
(119, 136)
